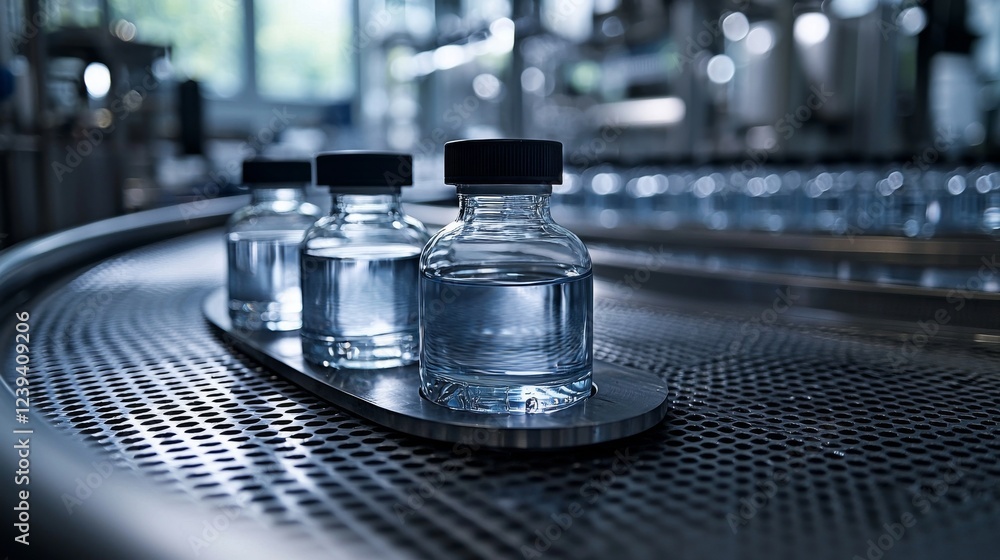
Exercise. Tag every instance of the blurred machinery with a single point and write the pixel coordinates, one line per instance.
(842, 80)
(843, 116)
(775, 116)
(79, 131)
(792, 208)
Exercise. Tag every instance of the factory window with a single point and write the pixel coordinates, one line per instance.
(304, 50)
(206, 37)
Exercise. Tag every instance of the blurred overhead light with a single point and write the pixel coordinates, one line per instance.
(612, 27)
(423, 63)
(103, 118)
(984, 184)
(604, 6)
(644, 186)
(657, 111)
(486, 86)
(533, 80)
(419, 20)
(911, 21)
(499, 41)
(162, 69)
(845, 9)
(956, 184)
(811, 29)
(608, 218)
(735, 26)
(97, 79)
(975, 133)
(704, 186)
(760, 40)
(721, 69)
(123, 29)
(502, 35)
(606, 183)
(401, 70)
(585, 76)
(569, 19)
(448, 56)
(570, 184)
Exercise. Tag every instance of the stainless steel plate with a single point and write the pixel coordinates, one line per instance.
(625, 403)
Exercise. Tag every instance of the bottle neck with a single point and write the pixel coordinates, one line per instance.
(503, 208)
(378, 206)
(278, 193)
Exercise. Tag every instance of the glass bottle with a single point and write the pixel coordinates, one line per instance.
(359, 265)
(506, 293)
(263, 246)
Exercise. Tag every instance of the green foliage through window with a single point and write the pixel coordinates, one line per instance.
(304, 50)
(206, 37)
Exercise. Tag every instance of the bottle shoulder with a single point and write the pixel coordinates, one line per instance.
(270, 216)
(469, 244)
(339, 230)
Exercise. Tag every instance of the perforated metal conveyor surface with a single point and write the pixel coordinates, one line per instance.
(804, 442)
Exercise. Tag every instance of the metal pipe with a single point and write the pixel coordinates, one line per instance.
(37, 59)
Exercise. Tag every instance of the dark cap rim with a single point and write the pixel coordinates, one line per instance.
(364, 169)
(262, 171)
(499, 161)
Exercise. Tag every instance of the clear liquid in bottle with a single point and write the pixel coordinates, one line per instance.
(361, 305)
(264, 290)
(511, 338)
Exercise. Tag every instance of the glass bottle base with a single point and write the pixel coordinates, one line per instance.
(503, 394)
(263, 316)
(368, 352)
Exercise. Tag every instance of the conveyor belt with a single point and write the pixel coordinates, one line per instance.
(785, 440)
